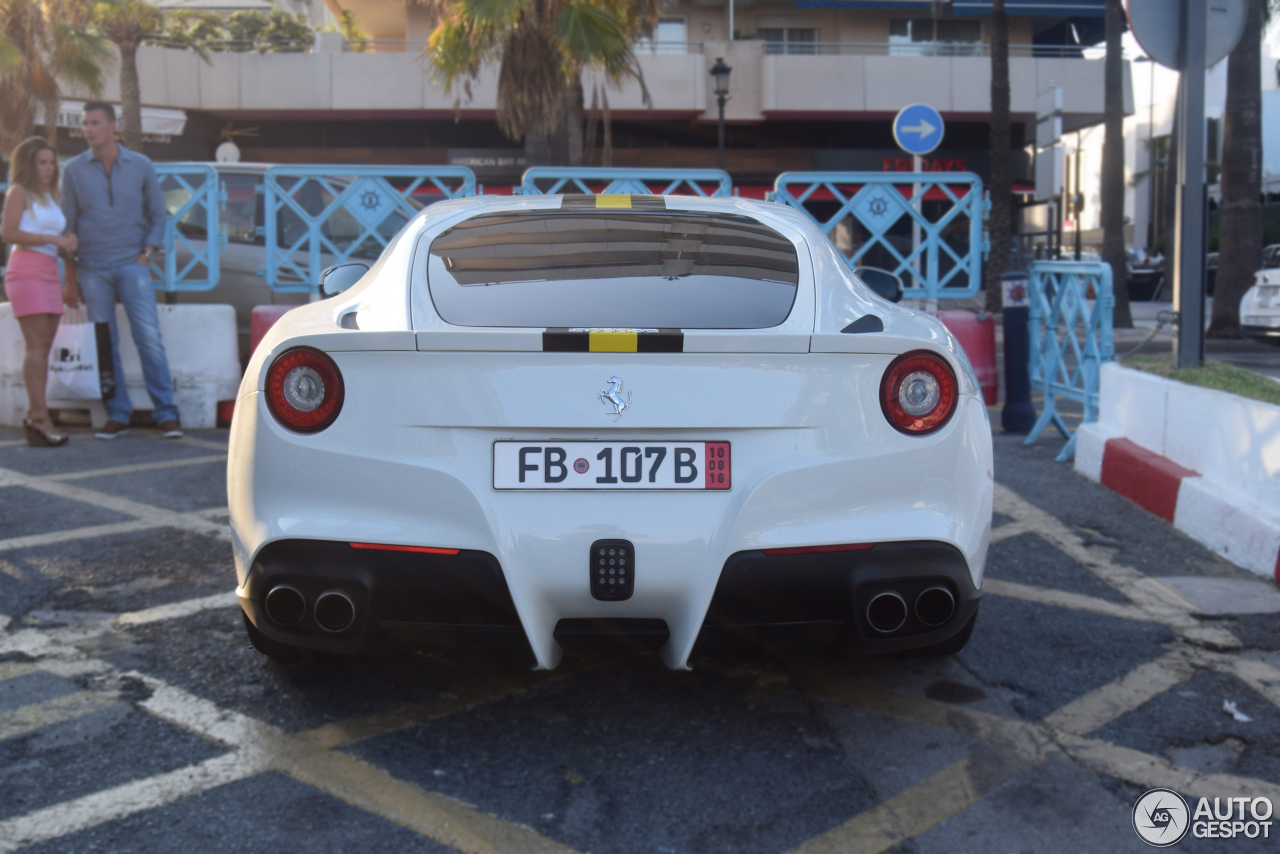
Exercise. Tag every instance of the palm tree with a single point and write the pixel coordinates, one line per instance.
(1240, 225)
(543, 47)
(1113, 166)
(1000, 223)
(40, 45)
(126, 23)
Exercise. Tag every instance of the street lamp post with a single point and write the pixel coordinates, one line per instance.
(720, 73)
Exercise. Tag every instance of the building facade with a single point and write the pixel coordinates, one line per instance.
(814, 86)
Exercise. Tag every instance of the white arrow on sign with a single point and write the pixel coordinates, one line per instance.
(924, 128)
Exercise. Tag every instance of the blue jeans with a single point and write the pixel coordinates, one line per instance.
(132, 284)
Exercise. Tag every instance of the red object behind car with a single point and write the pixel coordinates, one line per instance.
(262, 319)
(977, 335)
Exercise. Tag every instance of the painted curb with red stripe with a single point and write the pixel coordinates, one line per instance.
(1139, 411)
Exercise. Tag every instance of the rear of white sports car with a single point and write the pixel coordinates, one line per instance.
(547, 417)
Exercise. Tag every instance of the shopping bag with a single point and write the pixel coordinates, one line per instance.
(80, 365)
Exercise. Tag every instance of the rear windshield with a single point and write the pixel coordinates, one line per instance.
(609, 269)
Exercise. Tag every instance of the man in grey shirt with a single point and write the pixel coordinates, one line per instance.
(111, 198)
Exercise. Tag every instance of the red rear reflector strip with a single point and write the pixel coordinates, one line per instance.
(383, 547)
(813, 550)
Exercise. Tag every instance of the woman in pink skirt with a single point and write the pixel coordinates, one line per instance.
(34, 227)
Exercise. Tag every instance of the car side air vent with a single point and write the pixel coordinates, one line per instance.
(866, 323)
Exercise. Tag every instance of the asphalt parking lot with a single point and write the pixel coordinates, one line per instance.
(134, 717)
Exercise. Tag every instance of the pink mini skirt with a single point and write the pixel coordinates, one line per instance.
(32, 283)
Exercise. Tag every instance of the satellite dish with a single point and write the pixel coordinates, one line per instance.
(1156, 27)
(228, 152)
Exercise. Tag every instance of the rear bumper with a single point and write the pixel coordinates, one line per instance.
(1266, 333)
(410, 593)
(835, 588)
(365, 480)
(391, 592)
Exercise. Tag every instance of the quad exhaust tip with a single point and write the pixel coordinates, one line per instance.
(935, 606)
(887, 611)
(284, 605)
(335, 612)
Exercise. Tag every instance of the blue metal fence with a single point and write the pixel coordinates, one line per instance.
(931, 236)
(193, 235)
(550, 180)
(318, 216)
(1071, 303)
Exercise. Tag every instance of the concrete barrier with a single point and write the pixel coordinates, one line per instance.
(200, 341)
(1206, 460)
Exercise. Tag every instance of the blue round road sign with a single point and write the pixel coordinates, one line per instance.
(918, 129)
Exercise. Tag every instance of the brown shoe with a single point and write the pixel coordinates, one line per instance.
(38, 436)
(170, 429)
(112, 429)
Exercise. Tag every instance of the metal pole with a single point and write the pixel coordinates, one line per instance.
(1188, 278)
(1078, 196)
(1151, 158)
(918, 203)
(720, 144)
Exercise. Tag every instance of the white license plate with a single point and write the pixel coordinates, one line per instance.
(612, 465)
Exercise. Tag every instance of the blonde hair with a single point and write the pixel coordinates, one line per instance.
(23, 172)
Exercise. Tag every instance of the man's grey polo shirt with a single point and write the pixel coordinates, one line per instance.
(112, 219)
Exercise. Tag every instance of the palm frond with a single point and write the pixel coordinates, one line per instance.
(10, 54)
(587, 33)
(78, 56)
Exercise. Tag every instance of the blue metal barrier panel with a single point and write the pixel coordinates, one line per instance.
(550, 180)
(193, 236)
(1070, 326)
(925, 226)
(320, 216)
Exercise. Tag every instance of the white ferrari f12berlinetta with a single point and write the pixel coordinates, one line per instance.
(547, 416)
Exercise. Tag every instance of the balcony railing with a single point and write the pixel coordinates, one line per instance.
(382, 46)
(642, 48)
(946, 49)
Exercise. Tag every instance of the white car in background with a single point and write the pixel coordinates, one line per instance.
(1260, 306)
(552, 416)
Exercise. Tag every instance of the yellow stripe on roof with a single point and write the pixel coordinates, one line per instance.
(613, 200)
(613, 341)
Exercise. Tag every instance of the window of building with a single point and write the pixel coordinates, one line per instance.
(671, 35)
(789, 40)
(927, 37)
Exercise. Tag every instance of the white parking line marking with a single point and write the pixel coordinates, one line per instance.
(175, 610)
(1146, 593)
(122, 801)
(55, 537)
(26, 719)
(435, 816)
(167, 464)
(918, 808)
(118, 504)
(203, 443)
(14, 669)
(1147, 771)
(1007, 531)
(1063, 599)
(1099, 707)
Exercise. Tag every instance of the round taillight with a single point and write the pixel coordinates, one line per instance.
(918, 392)
(304, 390)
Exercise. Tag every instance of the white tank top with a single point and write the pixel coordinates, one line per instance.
(44, 217)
